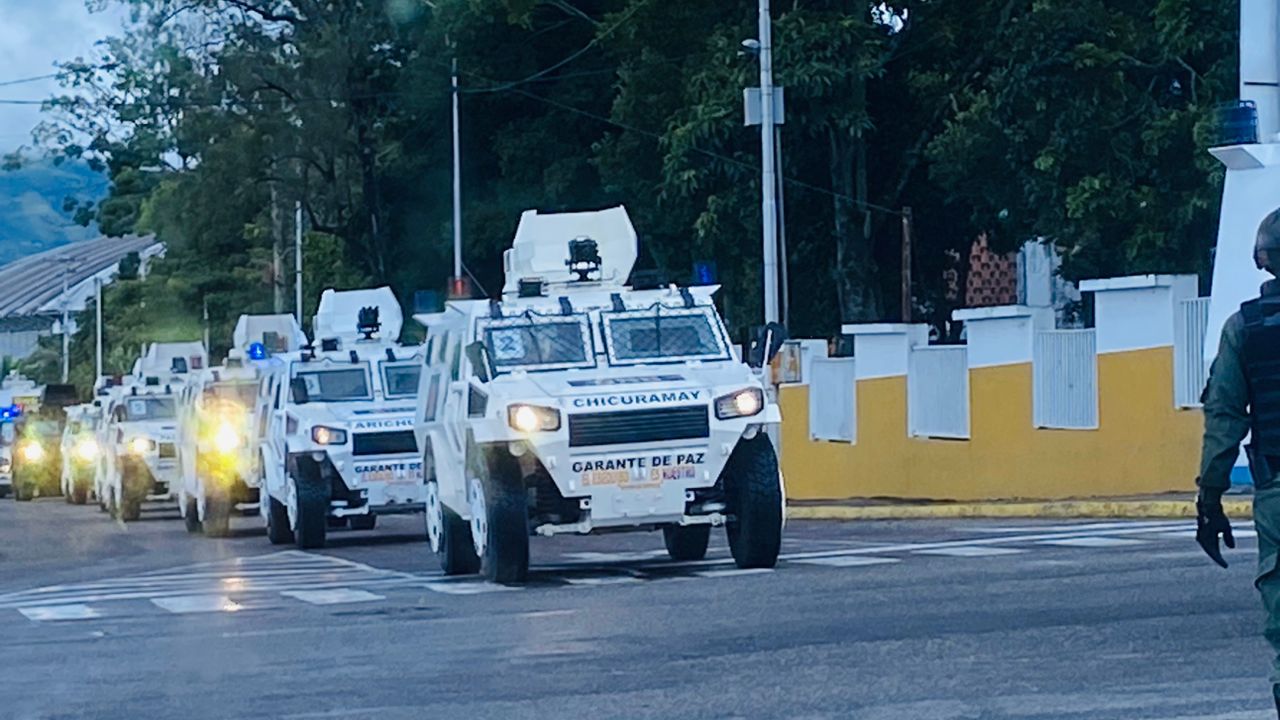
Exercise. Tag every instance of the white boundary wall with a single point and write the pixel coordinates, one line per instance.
(1065, 388)
(938, 392)
(1190, 371)
(833, 400)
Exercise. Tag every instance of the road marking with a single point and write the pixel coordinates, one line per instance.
(469, 587)
(844, 562)
(618, 557)
(59, 612)
(336, 596)
(1077, 527)
(970, 551)
(732, 572)
(598, 581)
(1093, 542)
(185, 604)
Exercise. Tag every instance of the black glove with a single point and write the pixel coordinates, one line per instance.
(1211, 522)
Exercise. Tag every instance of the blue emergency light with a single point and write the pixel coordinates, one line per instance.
(704, 273)
(13, 412)
(257, 351)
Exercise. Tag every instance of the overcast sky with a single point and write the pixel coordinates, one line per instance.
(34, 34)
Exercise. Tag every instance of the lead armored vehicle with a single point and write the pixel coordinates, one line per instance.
(580, 403)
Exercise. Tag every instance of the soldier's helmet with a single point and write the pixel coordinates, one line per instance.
(1266, 249)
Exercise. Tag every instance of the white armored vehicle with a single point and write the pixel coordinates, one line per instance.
(339, 447)
(139, 429)
(80, 451)
(579, 404)
(218, 424)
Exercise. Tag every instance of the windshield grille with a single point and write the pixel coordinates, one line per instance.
(636, 426)
(384, 443)
(663, 335)
(538, 343)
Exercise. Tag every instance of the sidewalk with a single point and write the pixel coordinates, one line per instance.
(1174, 505)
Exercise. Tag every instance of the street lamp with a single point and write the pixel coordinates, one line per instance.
(763, 107)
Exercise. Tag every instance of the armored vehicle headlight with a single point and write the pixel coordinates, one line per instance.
(33, 452)
(141, 445)
(226, 438)
(743, 403)
(533, 418)
(87, 449)
(328, 436)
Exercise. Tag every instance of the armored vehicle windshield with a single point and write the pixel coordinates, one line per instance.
(347, 383)
(537, 343)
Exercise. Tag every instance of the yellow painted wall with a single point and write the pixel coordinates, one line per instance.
(1142, 445)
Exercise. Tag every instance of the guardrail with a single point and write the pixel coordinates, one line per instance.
(1065, 388)
(1190, 373)
(938, 392)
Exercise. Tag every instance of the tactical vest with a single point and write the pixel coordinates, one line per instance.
(1262, 370)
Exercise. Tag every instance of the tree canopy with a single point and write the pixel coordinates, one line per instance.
(1079, 121)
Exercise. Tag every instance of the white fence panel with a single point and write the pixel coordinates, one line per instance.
(1066, 379)
(938, 392)
(833, 400)
(1189, 371)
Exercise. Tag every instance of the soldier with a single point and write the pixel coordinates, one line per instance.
(1242, 397)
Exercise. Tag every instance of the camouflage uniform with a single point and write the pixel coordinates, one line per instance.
(1226, 423)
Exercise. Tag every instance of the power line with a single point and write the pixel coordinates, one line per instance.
(23, 81)
(709, 153)
(570, 58)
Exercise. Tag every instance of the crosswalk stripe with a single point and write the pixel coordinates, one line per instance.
(336, 596)
(844, 562)
(1093, 542)
(970, 552)
(469, 587)
(60, 612)
(733, 572)
(186, 604)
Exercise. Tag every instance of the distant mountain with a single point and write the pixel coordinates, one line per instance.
(31, 215)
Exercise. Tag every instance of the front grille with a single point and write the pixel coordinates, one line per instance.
(384, 443)
(636, 426)
(168, 450)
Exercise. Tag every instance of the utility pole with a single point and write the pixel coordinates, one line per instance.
(66, 335)
(97, 293)
(297, 261)
(205, 314)
(907, 222)
(768, 182)
(782, 233)
(457, 180)
(277, 245)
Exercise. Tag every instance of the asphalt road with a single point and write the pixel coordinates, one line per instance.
(875, 621)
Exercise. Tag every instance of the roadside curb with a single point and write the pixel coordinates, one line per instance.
(1054, 509)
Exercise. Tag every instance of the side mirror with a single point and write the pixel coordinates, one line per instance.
(298, 391)
(478, 356)
(767, 342)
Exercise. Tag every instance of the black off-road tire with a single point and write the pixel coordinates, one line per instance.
(191, 515)
(686, 542)
(364, 522)
(133, 490)
(506, 554)
(313, 505)
(457, 552)
(278, 530)
(4, 491)
(754, 491)
(217, 513)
